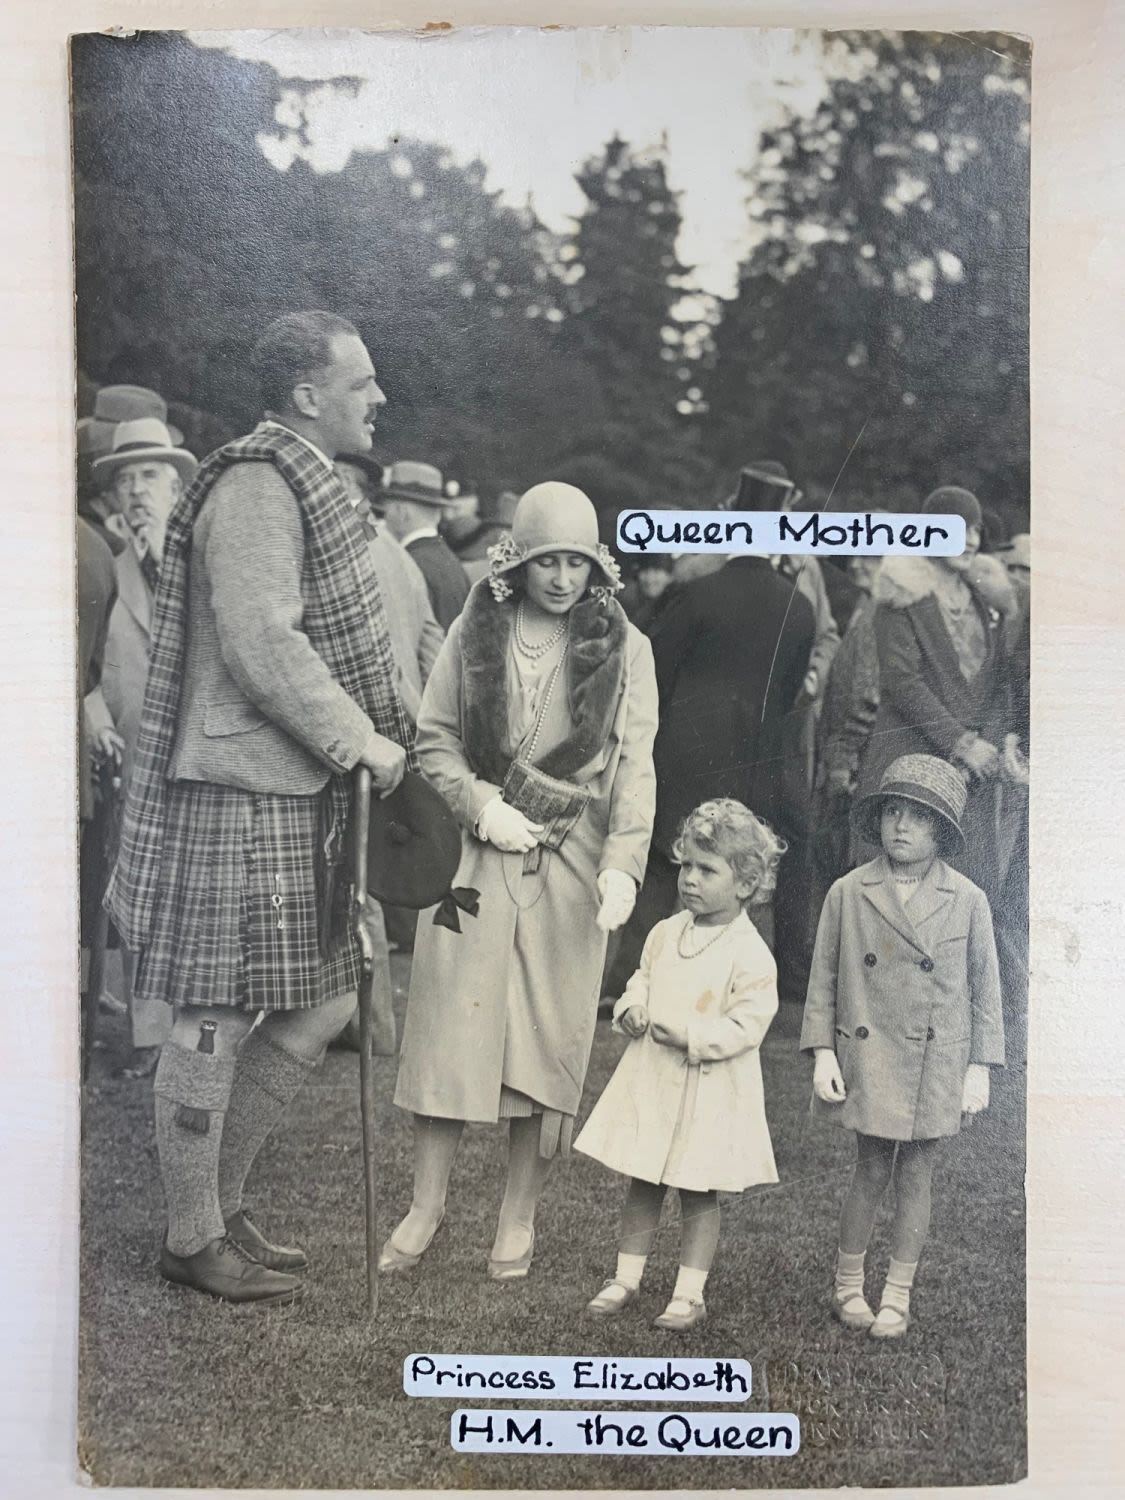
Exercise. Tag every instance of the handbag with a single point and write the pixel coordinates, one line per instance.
(544, 799)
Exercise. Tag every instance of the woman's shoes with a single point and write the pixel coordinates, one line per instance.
(613, 1298)
(853, 1311)
(680, 1315)
(513, 1270)
(890, 1323)
(393, 1261)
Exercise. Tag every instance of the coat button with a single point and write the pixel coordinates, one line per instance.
(929, 1033)
(870, 960)
(927, 966)
(861, 1032)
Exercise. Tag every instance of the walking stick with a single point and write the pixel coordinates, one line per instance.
(366, 1029)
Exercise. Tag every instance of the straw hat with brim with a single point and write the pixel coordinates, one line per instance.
(143, 441)
(371, 467)
(924, 779)
(1017, 554)
(413, 845)
(554, 517)
(126, 403)
(408, 480)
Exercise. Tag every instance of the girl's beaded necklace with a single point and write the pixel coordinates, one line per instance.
(690, 927)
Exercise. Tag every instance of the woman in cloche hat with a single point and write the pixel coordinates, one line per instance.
(903, 1016)
(537, 726)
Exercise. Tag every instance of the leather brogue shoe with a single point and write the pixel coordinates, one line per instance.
(242, 1229)
(223, 1269)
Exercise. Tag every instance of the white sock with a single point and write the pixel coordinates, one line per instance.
(896, 1292)
(630, 1269)
(849, 1275)
(689, 1284)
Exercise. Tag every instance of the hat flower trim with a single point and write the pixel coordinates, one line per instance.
(508, 551)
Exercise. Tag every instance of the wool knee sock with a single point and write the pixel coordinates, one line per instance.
(689, 1284)
(896, 1292)
(630, 1269)
(266, 1081)
(191, 1091)
(849, 1275)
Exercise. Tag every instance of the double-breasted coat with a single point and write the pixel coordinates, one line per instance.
(907, 996)
(512, 998)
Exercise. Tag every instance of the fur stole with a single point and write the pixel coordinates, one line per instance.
(902, 582)
(595, 674)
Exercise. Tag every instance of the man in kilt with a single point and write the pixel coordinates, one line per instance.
(270, 678)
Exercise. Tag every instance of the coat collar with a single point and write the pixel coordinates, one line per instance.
(910, 922)
(132, 589)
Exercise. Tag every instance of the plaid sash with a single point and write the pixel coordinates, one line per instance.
(343, 619)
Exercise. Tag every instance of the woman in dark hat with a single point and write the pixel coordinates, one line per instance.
(537, 727)
(942, 629)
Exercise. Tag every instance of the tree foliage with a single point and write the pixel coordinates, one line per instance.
(878, 340)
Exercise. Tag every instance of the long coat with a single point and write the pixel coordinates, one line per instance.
(697, 1118)
(731, 650)
(117, 701)
(926, 704)
(907, 997)
(512, 999)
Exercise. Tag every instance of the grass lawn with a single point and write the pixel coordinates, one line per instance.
(178, 1390)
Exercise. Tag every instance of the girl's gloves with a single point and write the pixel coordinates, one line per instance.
(507, 828)
(827, 1080)
(618, 893)
(974, 1096)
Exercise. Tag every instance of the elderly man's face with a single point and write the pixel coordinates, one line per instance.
(146, 492)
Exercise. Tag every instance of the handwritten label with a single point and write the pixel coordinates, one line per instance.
(774, 532)
(713, 1433)
(569, 1378)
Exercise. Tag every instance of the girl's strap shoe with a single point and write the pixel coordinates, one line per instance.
(680, 1315)
(889, 1324)
(852, 1310)
(613, 1298)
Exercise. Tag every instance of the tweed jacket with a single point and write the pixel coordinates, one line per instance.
(259, 707)
(416, 636)
(907, 996)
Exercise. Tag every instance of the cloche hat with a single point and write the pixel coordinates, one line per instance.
(925, 779)
(552, 517)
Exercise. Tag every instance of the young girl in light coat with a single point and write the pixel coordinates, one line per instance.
(685, 1108)
(903, 1015)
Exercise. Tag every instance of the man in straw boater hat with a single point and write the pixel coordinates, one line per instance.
(270, 678)
(145, 472)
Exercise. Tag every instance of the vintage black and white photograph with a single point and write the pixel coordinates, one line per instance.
(498, 947)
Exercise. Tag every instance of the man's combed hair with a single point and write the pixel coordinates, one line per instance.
(747, 842)
(292, 349)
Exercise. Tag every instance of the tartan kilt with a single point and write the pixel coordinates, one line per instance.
(235, 921)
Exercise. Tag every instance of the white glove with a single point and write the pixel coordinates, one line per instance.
(974, 1096)
(507, 828)
(827, 1080)
(618, 892)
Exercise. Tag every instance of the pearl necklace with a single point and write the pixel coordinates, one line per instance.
(526, 647)
(709, 943)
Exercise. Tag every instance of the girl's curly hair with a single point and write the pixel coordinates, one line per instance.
(746, 841)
